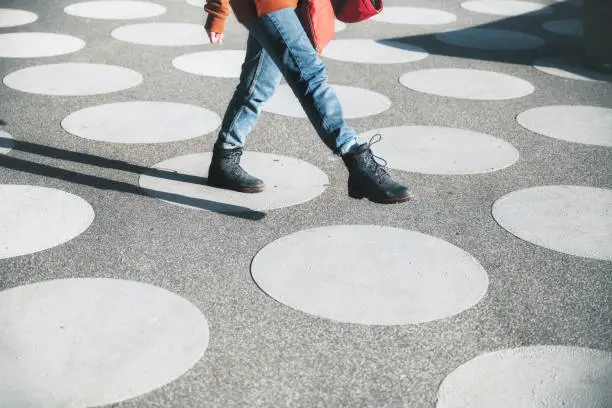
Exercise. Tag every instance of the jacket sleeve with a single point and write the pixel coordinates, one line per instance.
(217, 10)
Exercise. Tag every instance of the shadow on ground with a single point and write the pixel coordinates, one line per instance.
(31, 167)
(525, 24)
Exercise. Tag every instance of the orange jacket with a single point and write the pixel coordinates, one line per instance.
(245, 10)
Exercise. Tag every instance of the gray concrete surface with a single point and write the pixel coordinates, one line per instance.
(262, 353)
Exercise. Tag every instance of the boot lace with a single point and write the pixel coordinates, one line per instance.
(377, 164)
(233, 155)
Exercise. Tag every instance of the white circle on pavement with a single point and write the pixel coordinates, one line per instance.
(93, 342)
(141, 122)
(182, 181)
(196, 3)
(506, 7)
(34, 45)
(370, 274)
(33, 219)
(356, 102)
(533, 376)
(579, 124)
(441, 150)
(72, 79)
(569, 69)
(13, 17)
(414, 15)
(571, 219)
(467, 84)
(491, 39)
(373, 51)
(222, 64)
(115, 9)
(162, 34)
(571, 27)
(6, 142)
(339, 26)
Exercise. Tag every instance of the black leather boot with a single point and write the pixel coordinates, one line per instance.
(369, 179)
(225, 172)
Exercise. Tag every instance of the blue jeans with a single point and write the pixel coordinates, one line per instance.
(278, 45)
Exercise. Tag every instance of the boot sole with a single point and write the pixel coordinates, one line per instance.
(394, 200)
(240, 190)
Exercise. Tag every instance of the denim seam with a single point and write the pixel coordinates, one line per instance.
(257, 72)
(296, 61)
(250, 91)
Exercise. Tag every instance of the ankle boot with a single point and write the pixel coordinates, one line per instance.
(225, 172)
(369, 179)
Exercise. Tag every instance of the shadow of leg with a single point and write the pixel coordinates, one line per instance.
(107, 184)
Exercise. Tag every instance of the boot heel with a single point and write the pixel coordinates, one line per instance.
(354, 193)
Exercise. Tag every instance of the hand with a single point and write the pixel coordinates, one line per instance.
(215, 38)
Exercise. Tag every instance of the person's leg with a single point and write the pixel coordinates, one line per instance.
(258, 81)
(283, 37)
